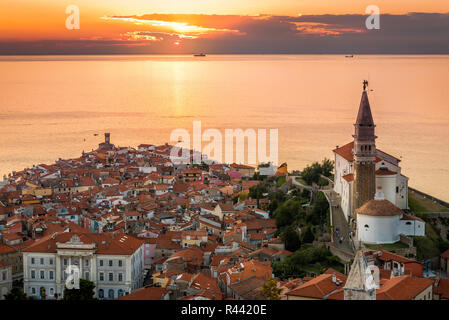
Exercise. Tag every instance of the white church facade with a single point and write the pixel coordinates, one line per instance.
(388, 176)
(372, 188)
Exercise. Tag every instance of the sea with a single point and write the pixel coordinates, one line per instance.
(55, 107)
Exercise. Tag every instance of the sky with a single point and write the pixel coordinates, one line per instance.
(223, 26)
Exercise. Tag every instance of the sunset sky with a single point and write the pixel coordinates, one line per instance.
(223, 26)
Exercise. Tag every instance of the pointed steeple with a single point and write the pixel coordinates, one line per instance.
(364, 117)
(360, 284)
(364, 124)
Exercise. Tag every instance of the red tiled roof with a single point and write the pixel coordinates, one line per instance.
(383, 172)
(402, 288)
(316, 288)
(379, 208)
(443, 289)
(150, 293)
(106, 243)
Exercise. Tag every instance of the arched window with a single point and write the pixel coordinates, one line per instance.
(366, 226)
(120, 293)
(101, 293)
(111, 294)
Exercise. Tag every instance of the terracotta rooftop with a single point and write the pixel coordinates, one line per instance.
(379, 208)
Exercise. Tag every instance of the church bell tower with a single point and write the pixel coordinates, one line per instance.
(364, 152)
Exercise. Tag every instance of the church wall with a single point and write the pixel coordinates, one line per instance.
(342, 167)
(386, 164)
(402, 195)
(412, 228)
(346, 198)
(387, 157)
(388, 185)
(380, 229)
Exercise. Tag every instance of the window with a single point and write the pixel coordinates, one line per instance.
(111, 276)
(366, 226)
(101, 263)
(86, 276)
(4, 276)
(33, 274)
(408, 223)
(120, 277)
(51, 260)
(65, 262)
(111, 294)
(86, 262)
(50, 274)
(120, 263)
(42, 274)
(33, 290)
(32, 260)
(110, 263)
(120, 292)
(42, 260)
(101, 293)
(101, 276)
(52, 291)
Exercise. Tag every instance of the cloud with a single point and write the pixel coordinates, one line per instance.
(156, 33)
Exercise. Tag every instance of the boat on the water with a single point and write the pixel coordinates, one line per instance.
(349, 56)
(199, 55)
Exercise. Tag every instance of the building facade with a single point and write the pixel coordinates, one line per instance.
(5, 279)
(113, 262)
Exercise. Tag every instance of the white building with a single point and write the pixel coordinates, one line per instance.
(5, 279)
(112, 261)
(379, 221)
(388, 176)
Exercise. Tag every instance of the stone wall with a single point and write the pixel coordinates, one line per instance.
(364, 183)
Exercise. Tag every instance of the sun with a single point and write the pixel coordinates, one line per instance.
(177, 43)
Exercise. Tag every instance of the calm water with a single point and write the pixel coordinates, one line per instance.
(50, 107)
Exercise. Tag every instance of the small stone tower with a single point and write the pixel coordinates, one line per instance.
(360, 284)
(107, 138)
(364, 154)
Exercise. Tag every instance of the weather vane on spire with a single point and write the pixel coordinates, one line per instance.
(365, 84)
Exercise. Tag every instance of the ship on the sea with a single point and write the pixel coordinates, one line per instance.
(199, 55)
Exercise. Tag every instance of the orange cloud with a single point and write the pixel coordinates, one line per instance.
(316, 28)
(180, 29)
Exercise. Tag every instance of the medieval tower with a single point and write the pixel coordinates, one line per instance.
(364, 154)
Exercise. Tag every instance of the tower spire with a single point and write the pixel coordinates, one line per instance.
(364, 153)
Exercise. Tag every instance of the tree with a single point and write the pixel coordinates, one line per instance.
(291, 239)
(308, 235)
(287, 213)
(327, 166)
(84, 293)
(318, 215)
(257, 191)
(270, 290)
(16, 294)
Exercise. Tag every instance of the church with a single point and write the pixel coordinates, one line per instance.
(372, 188)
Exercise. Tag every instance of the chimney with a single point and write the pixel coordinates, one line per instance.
(334, 278)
